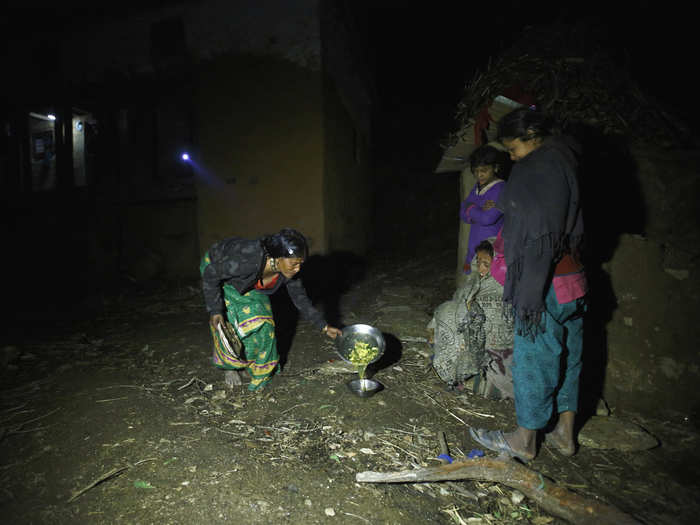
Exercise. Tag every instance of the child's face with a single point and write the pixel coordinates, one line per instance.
(485, 174)
(483, 263)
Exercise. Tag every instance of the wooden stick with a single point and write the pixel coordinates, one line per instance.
(110, 400)
(553, 498)
(106, 476)
(462, 491)
(19, 427)
(188, 383)
(445, 450)
(406, 432)
(356, 516)
(401, 449)
(473, 413)
(443, 445)
(13, 409)
(37, 418)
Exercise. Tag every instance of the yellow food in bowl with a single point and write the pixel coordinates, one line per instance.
(362, 353)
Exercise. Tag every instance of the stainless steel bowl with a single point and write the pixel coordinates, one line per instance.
(363, 333)
(364, 387)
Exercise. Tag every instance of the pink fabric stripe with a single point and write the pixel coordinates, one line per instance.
(498, 265)
(570, 287)
(467, 213)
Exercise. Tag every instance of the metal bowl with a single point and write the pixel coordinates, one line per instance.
(363, 333)
(364, 387)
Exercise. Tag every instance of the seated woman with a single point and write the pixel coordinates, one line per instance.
(471, 337)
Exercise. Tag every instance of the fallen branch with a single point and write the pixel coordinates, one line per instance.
(106, 476)
(553, 498)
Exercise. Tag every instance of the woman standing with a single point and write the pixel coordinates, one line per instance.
(238, 275)
(545, 284)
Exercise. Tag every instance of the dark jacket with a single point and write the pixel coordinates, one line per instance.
(543, 220)
(239, 263)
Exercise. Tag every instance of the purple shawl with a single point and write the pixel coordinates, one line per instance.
(484, 223)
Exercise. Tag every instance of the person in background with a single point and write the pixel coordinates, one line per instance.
(544, 283)
(489, 165)
(238, 275)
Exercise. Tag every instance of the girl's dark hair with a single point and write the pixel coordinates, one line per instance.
(489, 156)
(485, 246)
(526, 124)
(286, 243)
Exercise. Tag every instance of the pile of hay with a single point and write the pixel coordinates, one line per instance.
(571, 77)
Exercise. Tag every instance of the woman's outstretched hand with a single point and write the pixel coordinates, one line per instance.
(215, 320)
(332, 331)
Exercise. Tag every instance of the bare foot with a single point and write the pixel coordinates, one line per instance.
(522, 441)
(232, 378)
(562, 437)
(565, 445)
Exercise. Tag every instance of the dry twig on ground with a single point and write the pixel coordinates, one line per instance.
(106, 476)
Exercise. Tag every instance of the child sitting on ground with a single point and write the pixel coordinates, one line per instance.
(496, 379)
(472, 340)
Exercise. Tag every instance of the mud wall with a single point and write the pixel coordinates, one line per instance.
(347, 193)
(275, 144)
(652, 334)
(259, 165)
(347, 94)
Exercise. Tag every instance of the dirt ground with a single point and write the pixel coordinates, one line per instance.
(118, 417)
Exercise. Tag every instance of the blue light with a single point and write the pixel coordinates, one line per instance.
(185, 156)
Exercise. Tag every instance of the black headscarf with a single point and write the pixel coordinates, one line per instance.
(542, 221)
(286, 243)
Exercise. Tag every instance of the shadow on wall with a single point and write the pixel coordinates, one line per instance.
(613, 205)
(326, 278)
(613, 202)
